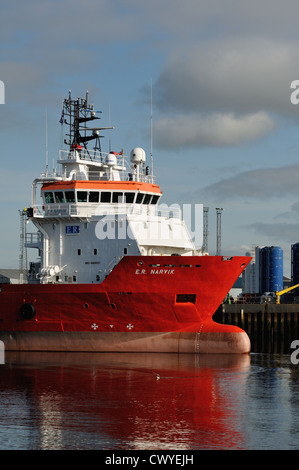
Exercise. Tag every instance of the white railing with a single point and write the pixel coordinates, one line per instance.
(89, 210)
(105, 171)
(33, 238)
(170, 212)
(89, 156)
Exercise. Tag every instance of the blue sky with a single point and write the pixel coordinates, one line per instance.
(225, 132)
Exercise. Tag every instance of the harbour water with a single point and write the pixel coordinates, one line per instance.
(57, 401)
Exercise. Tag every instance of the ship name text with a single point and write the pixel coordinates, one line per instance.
(154, 271)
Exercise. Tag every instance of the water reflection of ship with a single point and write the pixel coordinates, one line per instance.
(110, 401)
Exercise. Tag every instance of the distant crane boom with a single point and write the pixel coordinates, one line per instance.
(284, 291)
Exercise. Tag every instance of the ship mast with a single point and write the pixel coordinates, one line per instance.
(77, 113)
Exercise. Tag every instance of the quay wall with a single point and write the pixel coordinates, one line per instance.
(270, 327)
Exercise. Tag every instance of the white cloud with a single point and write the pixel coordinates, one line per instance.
(216, 129)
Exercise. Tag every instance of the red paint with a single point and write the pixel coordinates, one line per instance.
(142, 295)
(135, 292)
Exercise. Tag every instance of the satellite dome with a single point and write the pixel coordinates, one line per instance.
(111, 159)
(137, 155)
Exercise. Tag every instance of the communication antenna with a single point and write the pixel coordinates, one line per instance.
(152, 163)
(47, 153)
(218, 248)
(23, 250)
(205, 248)
(109, 117)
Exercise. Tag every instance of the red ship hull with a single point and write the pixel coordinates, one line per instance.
(152, 303)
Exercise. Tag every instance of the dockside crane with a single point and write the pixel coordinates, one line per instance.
(284, 291)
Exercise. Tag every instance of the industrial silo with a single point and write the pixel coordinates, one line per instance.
(295, 263)
(271, 269)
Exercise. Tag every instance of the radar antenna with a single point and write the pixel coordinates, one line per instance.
(77, 113)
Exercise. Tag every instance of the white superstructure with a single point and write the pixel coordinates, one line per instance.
(98, 209)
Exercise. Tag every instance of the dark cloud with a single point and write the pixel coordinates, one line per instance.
(70, 23)
(282, 232)
(262, 183)
(225, 91)
(47, 41)
(244, 76)
(195, 20)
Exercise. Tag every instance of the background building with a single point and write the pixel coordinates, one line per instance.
(9, 276)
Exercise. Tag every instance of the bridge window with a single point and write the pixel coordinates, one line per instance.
(49, 199)
(59, 197)
(69, 196)
(155, 199)
(139, 198)
(147, 199)
(105, 196)
(117, 197)
(82, 196)
(94, 196)
(129, 198)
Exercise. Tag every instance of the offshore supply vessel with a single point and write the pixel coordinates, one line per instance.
(116, 271)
